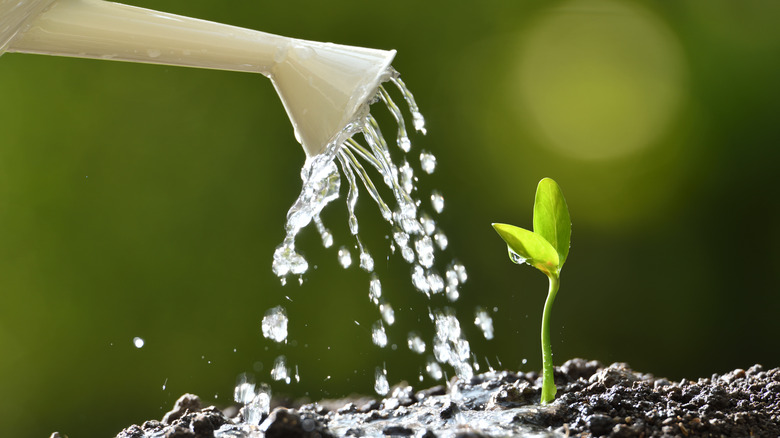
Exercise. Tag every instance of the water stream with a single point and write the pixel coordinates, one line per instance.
(415, 236)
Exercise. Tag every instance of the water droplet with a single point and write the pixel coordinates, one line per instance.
(387, 313)
(484, 322)
(419, 280)
(260, 405)
(325, 234)
(366, 261)
(153, 53)
(244, 392)
(280, 372)
(461, 271)
(165, 383)
(415, 343)
(419, 122)
(449, 346)
(515, 257)
(441, 239)
(453, 293)
(435, 281)
(138, 342)
(287, 261)
(434, 370)
(406, 176)
(428, 224)
(380, 382)
(378, 334)
(404, 143)
(345, 258)
(428, 162)
(275, 324)
(321, 183)
(424, 248)
(374, 289)
(437, 201)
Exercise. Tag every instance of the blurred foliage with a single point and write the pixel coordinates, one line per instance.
(146, 201)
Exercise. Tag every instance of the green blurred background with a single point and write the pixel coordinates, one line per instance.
(140, 200)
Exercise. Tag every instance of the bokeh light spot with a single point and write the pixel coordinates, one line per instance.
(599, 79)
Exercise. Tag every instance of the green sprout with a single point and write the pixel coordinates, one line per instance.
(546, 249)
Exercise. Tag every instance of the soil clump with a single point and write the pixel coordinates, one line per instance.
(593, 400)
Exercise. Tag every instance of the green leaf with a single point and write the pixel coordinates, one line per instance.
(536, 251)
(551, 218)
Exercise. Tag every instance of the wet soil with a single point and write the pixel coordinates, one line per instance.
(593, 400)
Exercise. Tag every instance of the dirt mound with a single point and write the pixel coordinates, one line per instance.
(592, 401)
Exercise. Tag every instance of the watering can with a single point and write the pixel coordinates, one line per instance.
(323, 86)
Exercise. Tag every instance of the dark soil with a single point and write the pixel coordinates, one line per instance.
(592, 401)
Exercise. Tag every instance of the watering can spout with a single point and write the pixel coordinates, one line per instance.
(323, 86)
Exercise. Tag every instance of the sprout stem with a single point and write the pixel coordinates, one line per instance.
(548, 381)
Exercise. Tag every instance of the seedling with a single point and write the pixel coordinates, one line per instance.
(546, 249)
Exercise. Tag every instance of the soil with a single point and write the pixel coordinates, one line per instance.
(592, 401)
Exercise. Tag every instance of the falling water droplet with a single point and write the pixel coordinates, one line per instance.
(461, 271)
(406, 177)
(378, 334)
(428, 162)
(416, 343)
(428, 224)
(325, 234)
(437, 201)
(280, 372)
(441, 239)
(244, 392)
(345, 258)
(424, 248)
(366, 261)
(435, 281)
(387, 313)
(434, 369)
(484, 322)
(419, 279)
(380, 381)
(138, 342)
(374, 289)
(275, 324)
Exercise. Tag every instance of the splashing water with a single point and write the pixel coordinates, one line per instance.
(414, 231)
(449, 346)
(280, 371)
(256, 400)
(380, 377)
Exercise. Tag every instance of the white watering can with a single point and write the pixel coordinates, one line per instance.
(322, 85)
